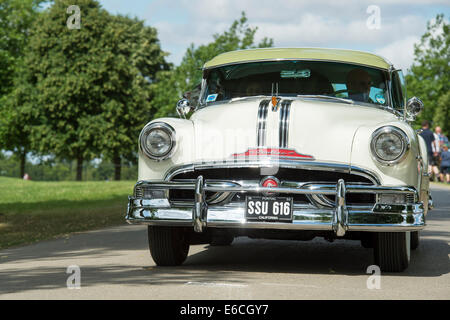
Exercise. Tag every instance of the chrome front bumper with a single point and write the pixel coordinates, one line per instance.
(340, 219)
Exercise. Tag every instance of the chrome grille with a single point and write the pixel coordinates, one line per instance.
(139, 192)
(252, 175)
(410, 198)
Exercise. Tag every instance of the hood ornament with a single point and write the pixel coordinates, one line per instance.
(275, 99)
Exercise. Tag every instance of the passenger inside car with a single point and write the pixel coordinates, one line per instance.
(358, 85)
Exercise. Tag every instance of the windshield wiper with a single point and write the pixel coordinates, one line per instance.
(247, 97)
(320, 96)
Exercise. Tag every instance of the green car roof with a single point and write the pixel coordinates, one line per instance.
(350, 56)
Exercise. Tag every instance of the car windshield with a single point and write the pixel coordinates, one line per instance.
(296, 78)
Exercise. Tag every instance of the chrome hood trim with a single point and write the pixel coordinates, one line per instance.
(261, 130)
(273, 162)
(284, 123)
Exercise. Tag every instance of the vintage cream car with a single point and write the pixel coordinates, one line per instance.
(292, 144)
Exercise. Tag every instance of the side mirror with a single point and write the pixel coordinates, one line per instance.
(183, 107)
(413, 107)
(189, 101)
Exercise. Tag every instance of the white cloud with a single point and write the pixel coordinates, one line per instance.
(400, 52)
(295, 23)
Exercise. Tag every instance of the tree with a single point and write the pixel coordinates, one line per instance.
(170, 85)
(442, 114)
(133, 60)
(429, 77)
(16, 19)
(16, 118)
(90, 84)
(65, 68)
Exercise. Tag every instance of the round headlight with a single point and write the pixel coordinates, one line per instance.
(157, 140)
(389, 145)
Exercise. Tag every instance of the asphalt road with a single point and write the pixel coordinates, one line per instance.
(115, 264)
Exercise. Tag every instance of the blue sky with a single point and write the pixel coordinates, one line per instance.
(291, 23)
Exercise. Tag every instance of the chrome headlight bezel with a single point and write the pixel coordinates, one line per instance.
(166, 128)
(390, 130)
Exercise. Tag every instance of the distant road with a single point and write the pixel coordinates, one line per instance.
(115, 264)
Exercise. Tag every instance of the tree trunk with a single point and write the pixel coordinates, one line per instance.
(23, 158)
(79, 168)
(117, 167)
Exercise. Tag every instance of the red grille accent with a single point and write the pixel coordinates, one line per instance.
(269, 182)
(283, 153)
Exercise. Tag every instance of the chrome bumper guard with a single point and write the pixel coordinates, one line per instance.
(340, 219)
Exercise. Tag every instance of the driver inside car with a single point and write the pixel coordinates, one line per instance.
(358, 85)
(253, 89)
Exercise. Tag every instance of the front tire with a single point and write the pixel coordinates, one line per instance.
(367, 240)
(169, 246)
(415, 240)
(392, 250)
(222, 240)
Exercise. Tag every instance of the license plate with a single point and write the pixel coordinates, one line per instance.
(268, 209)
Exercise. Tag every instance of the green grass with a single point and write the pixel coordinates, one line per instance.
(31, 211)
(441, 184)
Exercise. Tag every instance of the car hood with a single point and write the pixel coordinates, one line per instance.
(316, 129)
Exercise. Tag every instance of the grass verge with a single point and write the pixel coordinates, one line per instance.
(32, 211)
(440, 184)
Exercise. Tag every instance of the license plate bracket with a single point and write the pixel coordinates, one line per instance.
(268, 209)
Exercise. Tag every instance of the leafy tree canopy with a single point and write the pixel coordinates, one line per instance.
(16, 20)
(442, 115)
(429, 77)
(90, 85)
(133, 61)
(16, 17)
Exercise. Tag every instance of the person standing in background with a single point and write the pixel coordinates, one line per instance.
(435, 164)
(445, 164)
(428, 136)
(442, 139)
